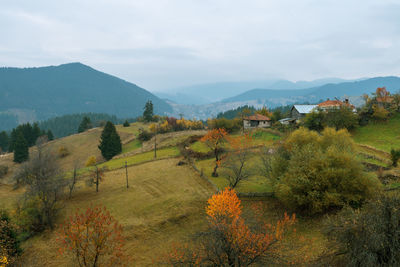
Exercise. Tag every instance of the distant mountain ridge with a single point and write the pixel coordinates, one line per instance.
(213, 92)
(354, 88)
(47, 92)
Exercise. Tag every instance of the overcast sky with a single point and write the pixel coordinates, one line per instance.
(169, 43)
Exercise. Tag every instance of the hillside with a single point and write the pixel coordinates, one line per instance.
(41, 93)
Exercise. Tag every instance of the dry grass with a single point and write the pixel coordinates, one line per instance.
(164, 205)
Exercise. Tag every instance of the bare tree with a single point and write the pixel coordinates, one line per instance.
(74, 179)
(235, 164)
(96, 176)
(44, 182)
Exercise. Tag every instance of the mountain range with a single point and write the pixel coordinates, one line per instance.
(41, 93)
(31, 94)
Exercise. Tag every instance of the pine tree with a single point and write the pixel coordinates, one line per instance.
(21, 149)
(4, 141)
(13, 139)
(148, 111)
(110, 142)
(36, 132)
(85, 125)
(126, 124)
(50, 135)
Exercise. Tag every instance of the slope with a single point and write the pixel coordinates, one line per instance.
(71, 88)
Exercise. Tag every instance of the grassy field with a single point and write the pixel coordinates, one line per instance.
(255, 183)
(384, 136)
(160, 208)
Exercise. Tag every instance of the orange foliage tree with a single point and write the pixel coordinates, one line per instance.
(94, 238)
(236, 161)
(229, 240)
(214, 139)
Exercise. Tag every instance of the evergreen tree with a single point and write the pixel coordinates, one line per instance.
(21, 149)
(13, 138)
(148, 111)
(36, 133)
(50, 135)
(126, 124)
(110, 142)
(4, 141)
(85, 125)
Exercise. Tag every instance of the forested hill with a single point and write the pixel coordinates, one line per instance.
(45, 92)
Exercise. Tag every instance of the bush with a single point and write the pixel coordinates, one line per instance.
(91, 161)
(126, 124)
(394, 156)
(63, 152)
(9, 243)
(370, 236)
(314, 173)
(144, 135)
(229, 125)
(3, 171)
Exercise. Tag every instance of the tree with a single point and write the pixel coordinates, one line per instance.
(44, 184)
(316, 173)
(126, 124)
(395, 156)
(214, 139)
(85, 125)
(50, 135)
(21, 149)
(94, 238)
(96, 175)
(235, 163)
(110, 142)
(9, 243)
(74, 179)
(229, 240)
(4, 141)
(341, 118)
(148, 111)
(379, 113)
(368, 236)
(315, 120)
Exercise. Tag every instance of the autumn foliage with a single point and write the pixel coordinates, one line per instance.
(214, 140)
(94, 238)
(230, 241)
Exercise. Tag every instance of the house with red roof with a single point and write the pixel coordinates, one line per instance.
(335, 104)
(256, 121)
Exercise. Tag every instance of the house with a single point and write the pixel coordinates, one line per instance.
(336, 104)
(299, 111)
(256, 121)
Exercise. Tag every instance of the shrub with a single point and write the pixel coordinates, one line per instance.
(144, 135)
(369, 236)
(9, 243)
(126, 124)
(229, 125)
(63, 152)
(93, 238)
(91, 161)
(315, 173)
(394, 155)
(3, 170)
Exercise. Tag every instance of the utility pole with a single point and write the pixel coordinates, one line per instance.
(97, 179)
(155, 142)
(126, 170)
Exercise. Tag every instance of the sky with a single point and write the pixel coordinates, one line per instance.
(172, 43)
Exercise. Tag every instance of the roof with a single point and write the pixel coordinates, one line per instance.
(334, 103)
(257, 117)
(304, 109)
(287, 119)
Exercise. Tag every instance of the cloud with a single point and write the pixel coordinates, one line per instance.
(168, 43)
